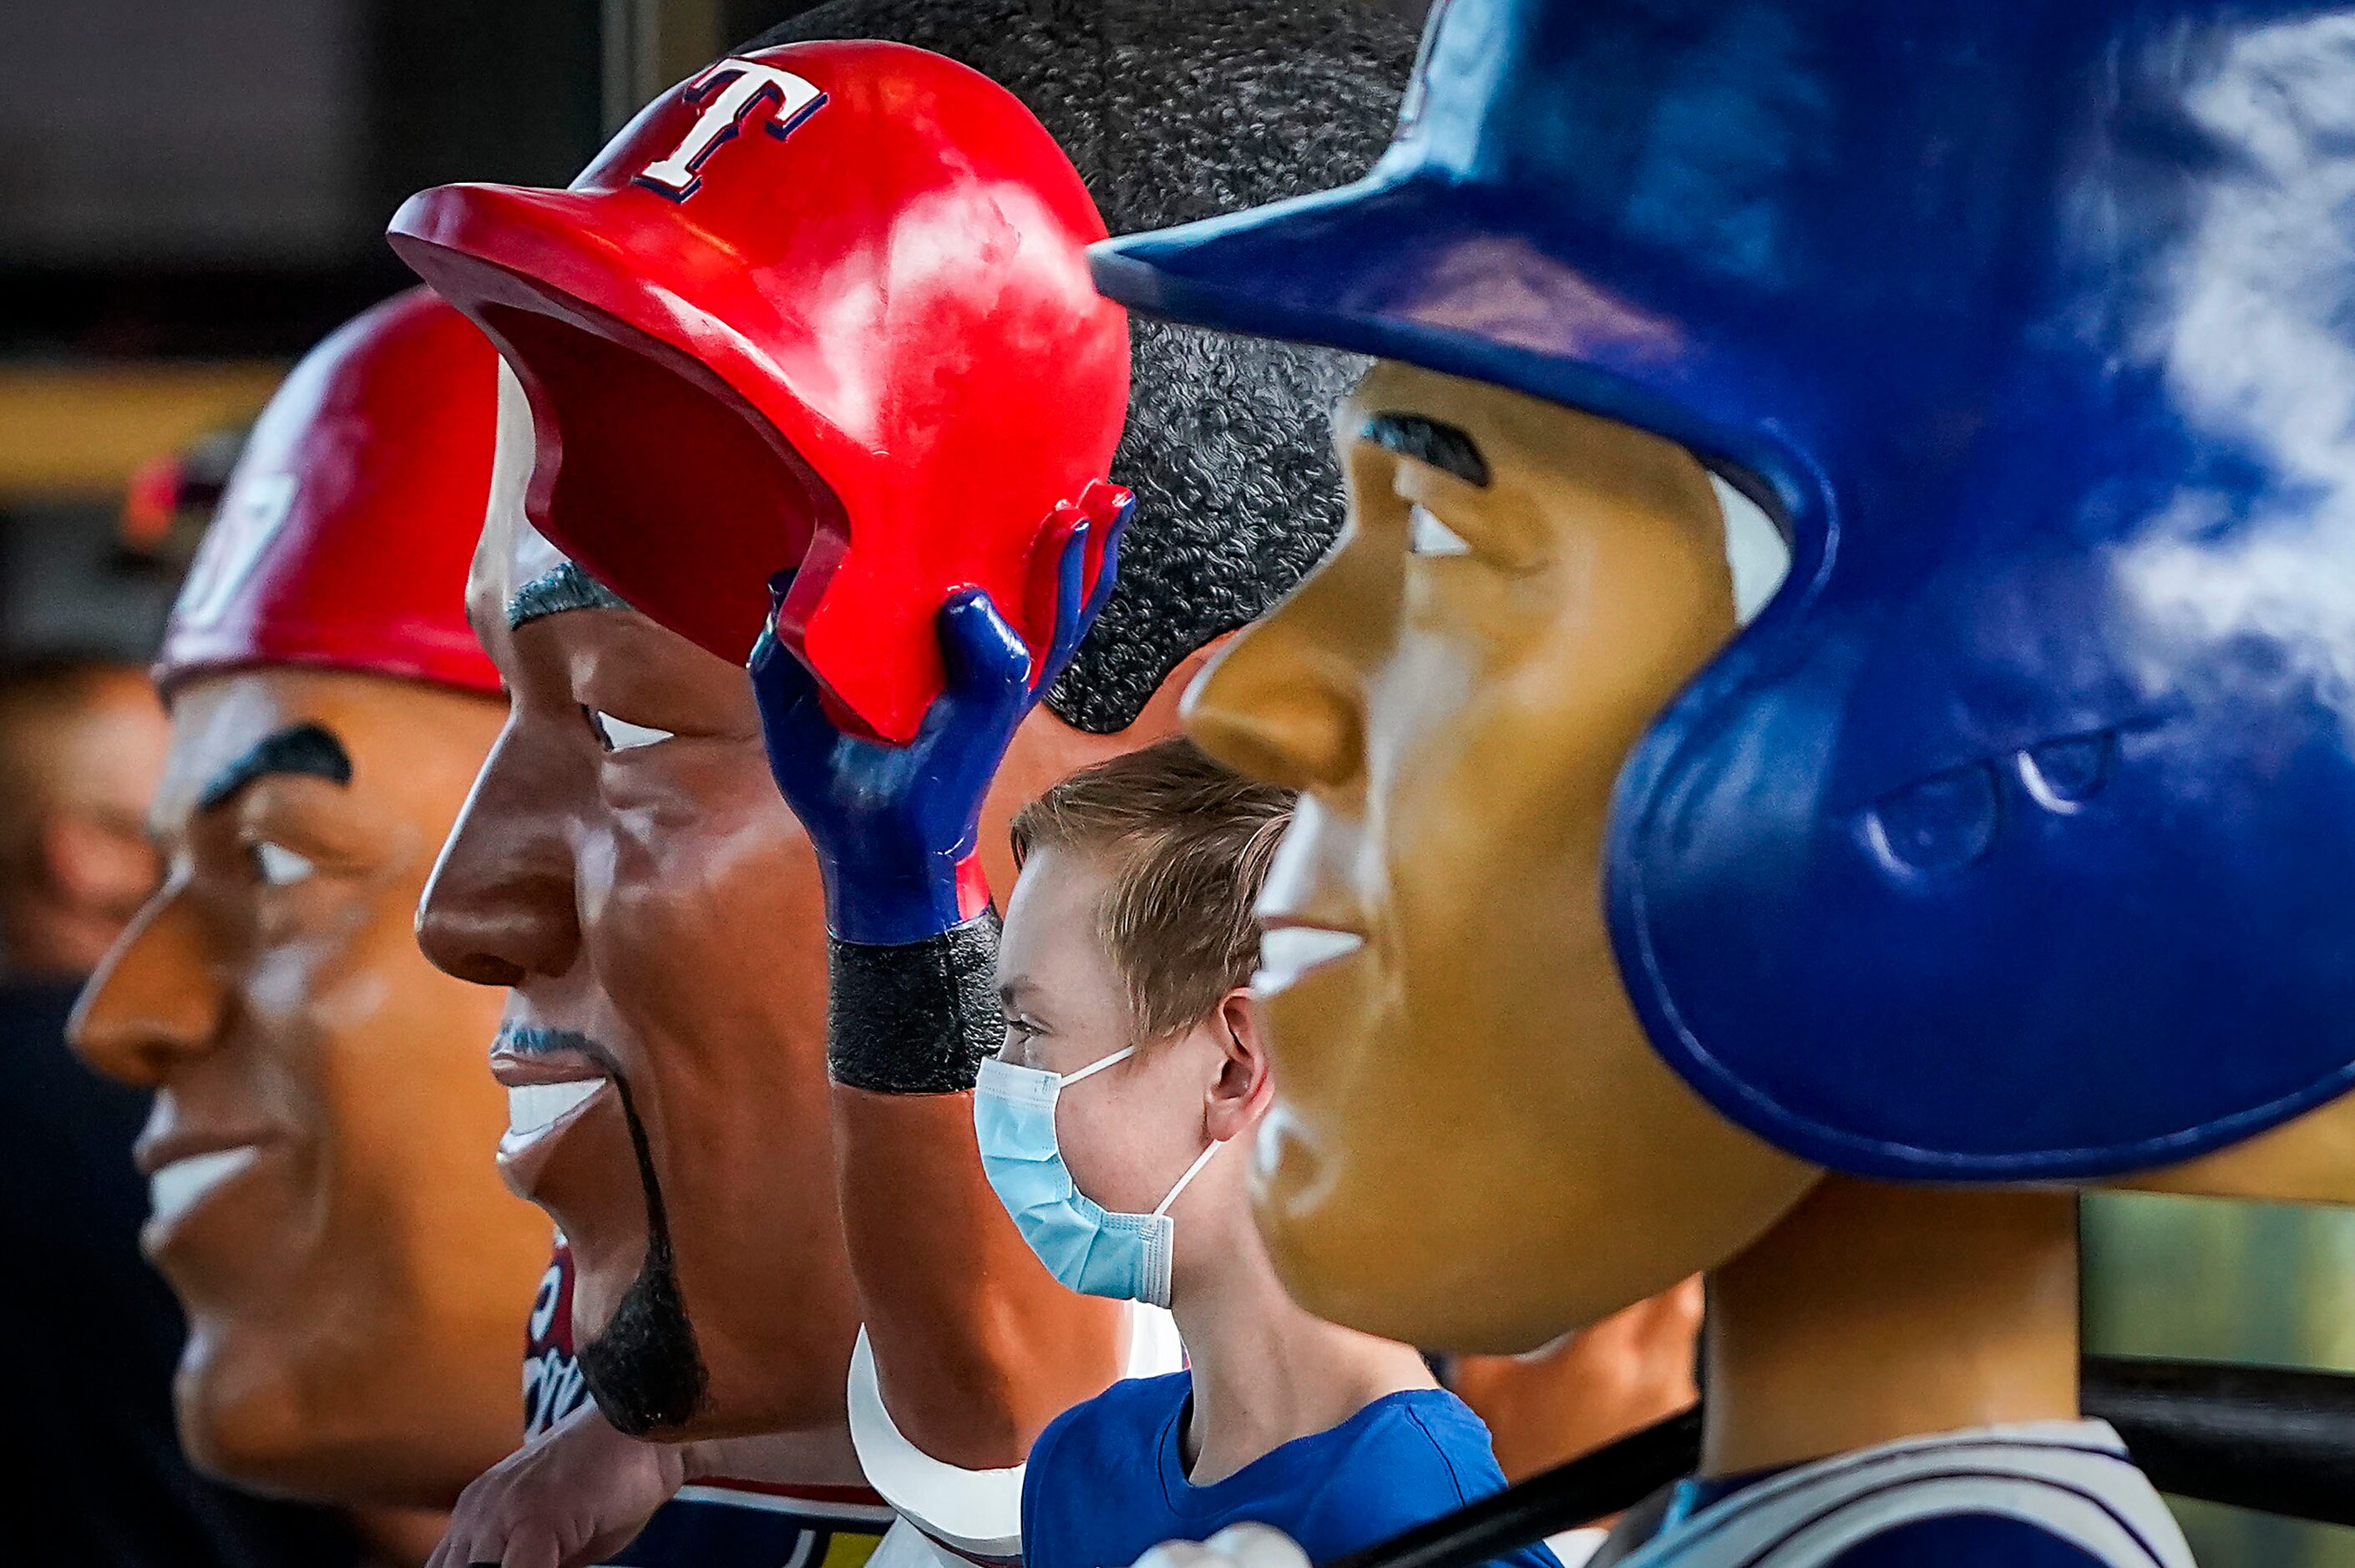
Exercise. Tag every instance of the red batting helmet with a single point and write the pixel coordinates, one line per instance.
(343, 537)
(826, 308)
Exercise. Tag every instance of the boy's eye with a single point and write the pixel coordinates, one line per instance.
(620, 734)
(1019, 1033)
(1427, 535)
(277, 865)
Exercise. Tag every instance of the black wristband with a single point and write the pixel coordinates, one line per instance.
(915, 1018)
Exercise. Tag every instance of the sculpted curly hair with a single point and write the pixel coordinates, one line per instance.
(1172, 111)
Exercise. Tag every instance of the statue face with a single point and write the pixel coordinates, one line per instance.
(1473, 1147)
(626, 865)
(319, 1149)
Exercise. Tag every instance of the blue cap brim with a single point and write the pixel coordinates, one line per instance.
(1430, 270)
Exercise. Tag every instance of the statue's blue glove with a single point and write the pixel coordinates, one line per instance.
(895, 828)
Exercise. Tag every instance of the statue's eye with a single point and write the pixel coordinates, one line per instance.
(1427, 535)
(620, 734)
(2062, 775)
(1942, 823)
(276, 865)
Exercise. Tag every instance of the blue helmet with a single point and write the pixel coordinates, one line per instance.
(2016, 839)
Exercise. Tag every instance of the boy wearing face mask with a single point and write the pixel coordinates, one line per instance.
(1129, 948)
(1133, 1058)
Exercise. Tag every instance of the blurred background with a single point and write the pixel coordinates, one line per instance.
(194, 191)
(2252, 1282)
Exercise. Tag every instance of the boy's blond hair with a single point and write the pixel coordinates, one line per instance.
(1187, 844)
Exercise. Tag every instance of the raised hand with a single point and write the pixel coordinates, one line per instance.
(895, 827)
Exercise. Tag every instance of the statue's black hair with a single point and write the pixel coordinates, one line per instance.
(1175, 109)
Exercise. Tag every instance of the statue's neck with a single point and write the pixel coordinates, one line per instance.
(1875, 1312)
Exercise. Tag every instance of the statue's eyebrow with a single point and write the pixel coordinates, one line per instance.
(560, 588)
(301, 750)
(1444, 446)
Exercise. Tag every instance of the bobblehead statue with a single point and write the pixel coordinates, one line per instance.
(1652, 907)
(350, 1268)
(846, 341)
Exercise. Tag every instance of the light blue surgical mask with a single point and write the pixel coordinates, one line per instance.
(1084, 1245)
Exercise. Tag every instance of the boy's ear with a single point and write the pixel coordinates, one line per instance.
(1245, 1085)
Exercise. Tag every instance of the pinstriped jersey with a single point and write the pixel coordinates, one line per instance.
(2058, 1494)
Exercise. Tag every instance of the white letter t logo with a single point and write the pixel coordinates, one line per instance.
(744, 89)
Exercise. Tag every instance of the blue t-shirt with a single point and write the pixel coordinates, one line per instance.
(1107, 1481)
